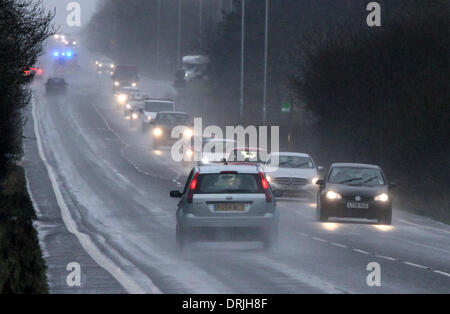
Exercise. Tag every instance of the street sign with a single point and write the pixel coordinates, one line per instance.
(286, 107)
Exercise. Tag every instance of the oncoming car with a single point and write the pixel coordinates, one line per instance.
(294, 173)
(163, 125)
(247, 155)
(355, 191)
(152, 107)
(215, 150)
(234, 198)
(123, 94)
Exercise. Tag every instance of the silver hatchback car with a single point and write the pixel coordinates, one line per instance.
(220, 198)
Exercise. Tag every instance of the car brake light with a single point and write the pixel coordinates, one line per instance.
(192, 188)
(265, 186)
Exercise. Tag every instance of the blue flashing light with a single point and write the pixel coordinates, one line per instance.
(56, 53)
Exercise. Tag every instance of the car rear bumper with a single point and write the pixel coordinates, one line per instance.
(189, 220)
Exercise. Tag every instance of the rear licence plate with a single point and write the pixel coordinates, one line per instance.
(229, 208)
(357, 205)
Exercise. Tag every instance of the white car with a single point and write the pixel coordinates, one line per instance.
(152, 107)
(295, 174)
(236, 198)
(135, 103)
(125, 92)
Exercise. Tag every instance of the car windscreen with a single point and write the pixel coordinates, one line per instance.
(158, 106)
(173, 119)
(294, 162)
(356, 176)
(237, 183)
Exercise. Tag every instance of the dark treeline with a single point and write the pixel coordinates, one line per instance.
(150, 28)
(359, 93)
(24, 26)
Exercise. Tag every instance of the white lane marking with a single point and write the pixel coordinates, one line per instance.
(126, 145)
(386, 257)
(360, 251)
(441, 273)
(88, 245)
(416, 265)
(339, 245)
(319, 239)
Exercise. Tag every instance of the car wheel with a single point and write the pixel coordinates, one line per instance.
(270, 237)
(385, 218)
(322, 214)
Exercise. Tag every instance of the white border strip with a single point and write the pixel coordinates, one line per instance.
(88, 245)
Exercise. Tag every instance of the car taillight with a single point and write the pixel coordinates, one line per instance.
(265, 186)
(192, 188)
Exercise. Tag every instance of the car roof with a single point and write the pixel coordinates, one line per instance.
(218, 168)
(354, 165)
(290, 154)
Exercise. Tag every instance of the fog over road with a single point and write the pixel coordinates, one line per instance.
(116, 192)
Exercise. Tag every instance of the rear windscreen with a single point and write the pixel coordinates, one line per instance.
(155, 106)
(229, 183)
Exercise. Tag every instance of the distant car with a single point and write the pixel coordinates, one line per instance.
(352, 190)
(152, 107)
(294, 173)
(55, 86)
(124, 92)
(247, 155)
(234, 198)
(215, 150)
(105, 65)
(163, 125)
(125, 75)
(135, 102)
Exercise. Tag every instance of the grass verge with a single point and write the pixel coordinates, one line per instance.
(22, 268)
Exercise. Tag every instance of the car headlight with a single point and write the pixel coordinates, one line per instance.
(134, 84)
(331, 195)
(314, 180)
(149, 118)
(112, 66)
(383, 197)
(100, 65)
(188, 133)
(134, 116)
(269, 178)
(122, 98)
(128, 106)
(157, 132)
(117, 83)
(205, 160)
(189, 152)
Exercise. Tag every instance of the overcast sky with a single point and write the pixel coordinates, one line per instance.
(87, 9)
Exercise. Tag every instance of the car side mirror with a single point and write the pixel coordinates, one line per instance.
(277, 193)
(320, 182)
(175, 194)
(392, 185)
(320, 168)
